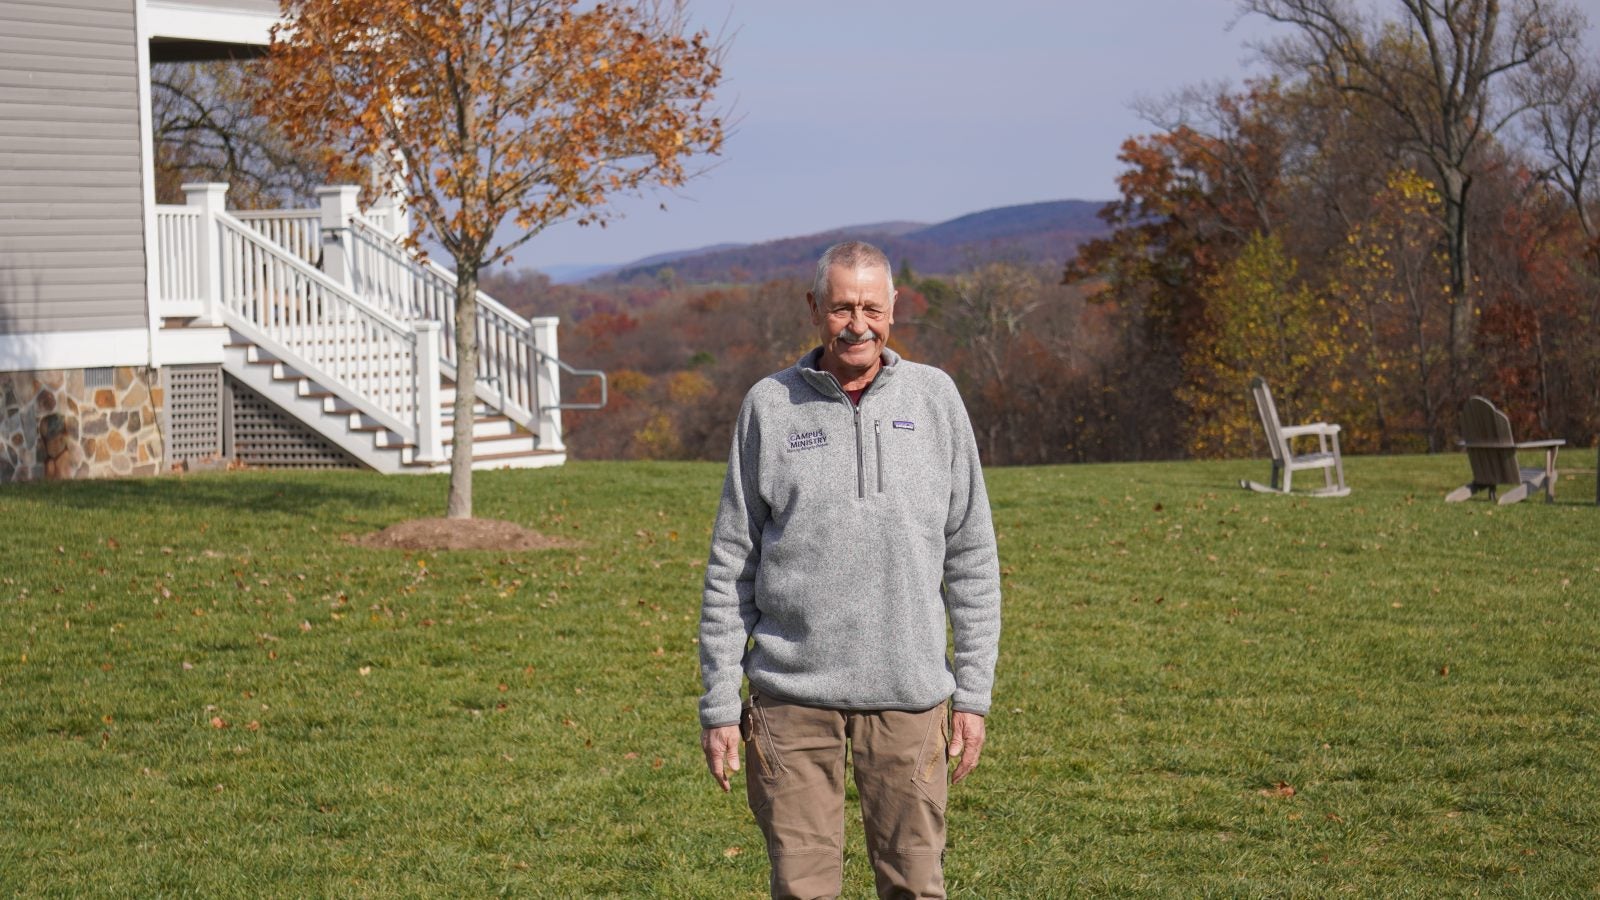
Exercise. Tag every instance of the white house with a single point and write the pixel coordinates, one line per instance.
(135, 338)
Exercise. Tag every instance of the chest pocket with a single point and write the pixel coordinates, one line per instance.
(912, 466)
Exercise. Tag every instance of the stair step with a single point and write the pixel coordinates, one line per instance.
(509, 442)
(486, 438)
(492, 457)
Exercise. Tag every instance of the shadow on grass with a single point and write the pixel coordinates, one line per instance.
(244, 494)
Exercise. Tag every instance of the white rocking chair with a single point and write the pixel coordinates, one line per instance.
(1280, 442)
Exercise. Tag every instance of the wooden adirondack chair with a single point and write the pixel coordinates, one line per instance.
(1280, 441)
(1492, 451)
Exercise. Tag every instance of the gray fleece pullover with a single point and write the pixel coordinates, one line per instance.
(846, 537)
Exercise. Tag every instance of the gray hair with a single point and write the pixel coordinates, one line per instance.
(850, 255)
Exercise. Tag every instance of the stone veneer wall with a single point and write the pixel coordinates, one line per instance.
(53, 426)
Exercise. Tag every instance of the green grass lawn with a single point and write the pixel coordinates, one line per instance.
(204, 691)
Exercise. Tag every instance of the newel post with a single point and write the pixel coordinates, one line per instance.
(548, 387)
(339, 204)
(430, 422)
(209, 198)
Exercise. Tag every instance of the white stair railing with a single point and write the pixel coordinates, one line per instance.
(514, 371)
(297, 230)
(178, 271)
(339, 298)
(372, 361)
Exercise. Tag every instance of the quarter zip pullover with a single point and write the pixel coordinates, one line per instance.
(837, 601)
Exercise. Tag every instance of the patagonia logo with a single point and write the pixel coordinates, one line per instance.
(905, 425)
(807, 440)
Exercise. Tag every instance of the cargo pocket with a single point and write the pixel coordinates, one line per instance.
(933, 778)
(763, 753)
(761, 759)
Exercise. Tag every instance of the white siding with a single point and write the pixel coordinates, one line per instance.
(72, 254)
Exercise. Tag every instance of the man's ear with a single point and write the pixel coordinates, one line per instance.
(816, 314)
(893, 299)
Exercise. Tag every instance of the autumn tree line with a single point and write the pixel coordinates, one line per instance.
(1401, 214)
(1035, 359)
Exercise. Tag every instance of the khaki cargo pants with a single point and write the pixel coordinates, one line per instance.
(795, 781)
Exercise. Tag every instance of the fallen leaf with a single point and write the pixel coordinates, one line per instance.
(657, 763)
(631, 754)
(187, 665)
(253, 726)
(305, 626)
(217, 722)
(1281, 789)
(365, 671)
(731, 852)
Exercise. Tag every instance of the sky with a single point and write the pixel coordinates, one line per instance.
(856, 111)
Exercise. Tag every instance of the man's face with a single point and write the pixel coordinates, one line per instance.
(854, 320)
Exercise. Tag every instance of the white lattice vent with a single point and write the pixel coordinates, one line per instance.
(266, 437)
(193, 412)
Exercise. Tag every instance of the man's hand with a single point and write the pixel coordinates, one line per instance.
(966, 741)
(721, 746)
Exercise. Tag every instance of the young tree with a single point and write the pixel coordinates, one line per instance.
(532, 111)
(1260, 320)
(1436, 71)
(1391, 278)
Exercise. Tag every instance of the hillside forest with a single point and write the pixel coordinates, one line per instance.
(1378, 234)
(1399, 214)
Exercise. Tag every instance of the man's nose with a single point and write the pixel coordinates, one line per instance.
(858, 321)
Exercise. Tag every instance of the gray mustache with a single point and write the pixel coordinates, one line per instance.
(850, 337)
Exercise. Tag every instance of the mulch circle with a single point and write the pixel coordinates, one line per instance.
(458, 534)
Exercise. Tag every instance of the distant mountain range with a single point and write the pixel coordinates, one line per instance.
(1046, 233)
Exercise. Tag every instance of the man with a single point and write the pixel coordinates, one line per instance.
(853, 525)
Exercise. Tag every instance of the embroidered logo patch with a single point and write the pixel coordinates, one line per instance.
(807, 440)
(905, 425)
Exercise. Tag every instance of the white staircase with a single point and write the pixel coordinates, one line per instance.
(325, 315)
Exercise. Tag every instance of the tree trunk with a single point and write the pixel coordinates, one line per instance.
(1463, 311)
(459, 505)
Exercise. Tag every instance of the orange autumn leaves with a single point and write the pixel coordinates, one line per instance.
(497, 112)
